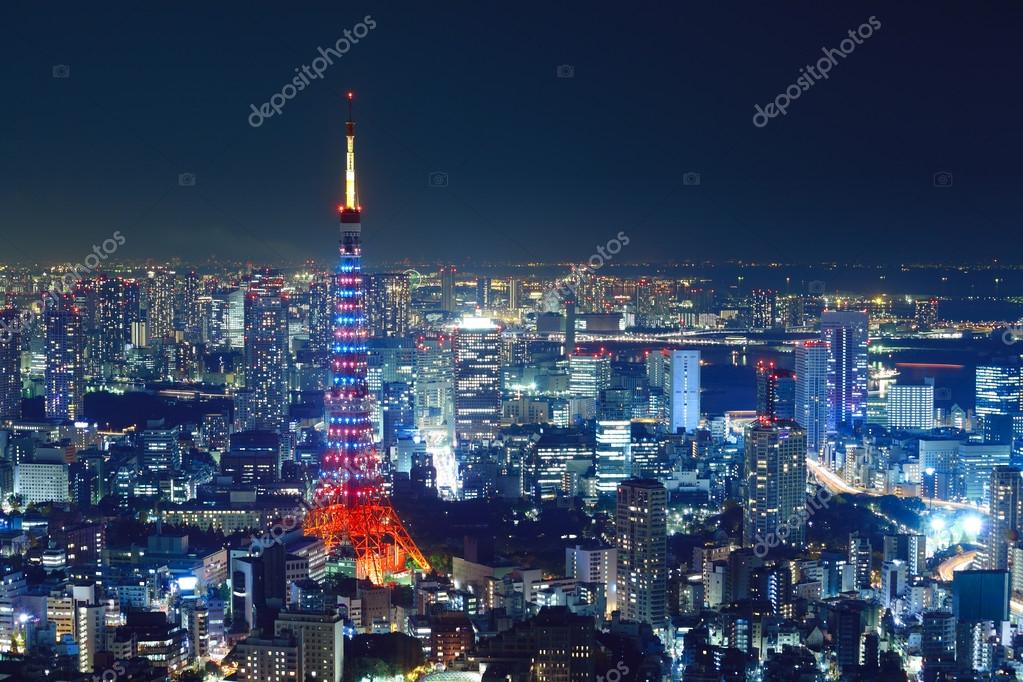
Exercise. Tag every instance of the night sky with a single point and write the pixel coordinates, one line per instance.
(537, 167)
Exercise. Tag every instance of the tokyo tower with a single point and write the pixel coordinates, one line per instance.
(350, 505)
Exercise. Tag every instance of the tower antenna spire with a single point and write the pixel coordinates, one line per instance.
(351, 197)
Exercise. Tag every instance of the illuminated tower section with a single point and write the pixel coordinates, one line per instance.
(350, 505)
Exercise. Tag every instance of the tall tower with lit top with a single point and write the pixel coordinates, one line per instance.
(350, 506)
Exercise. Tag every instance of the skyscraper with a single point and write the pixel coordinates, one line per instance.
(775, 483)
(642, 542)
(447, 288)
(812, 359)
(1006, 515)
(65, 362)
(588, 375)
(911, 406)
(763, 304)
(925, 313)
(476, 344)
(683, 378)
(998, 388)
(513, 294)
(861, 557)
(388, 304)
(482, 292)
(321, 318)
(10, 364)
(776, 392)
(435, 382)
(614, 440)
(266, 352)
(595, 565)
(191, 289)
(321, 641)
(846, 333)
(118, 307)
(159, 304)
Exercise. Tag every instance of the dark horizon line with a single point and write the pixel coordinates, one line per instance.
(473, 262)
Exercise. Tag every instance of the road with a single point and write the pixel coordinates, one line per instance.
(833, 482)
(955, 563)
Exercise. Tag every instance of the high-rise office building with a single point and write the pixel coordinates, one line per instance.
(812, 360)
(775, 483)
(641, 541)
(570, 305)
(614, 440)
(1006, 512)
(595, 565)
(159, 450)
(234, 317)
(908, 548)
(861, 557)
(547, 466)
(588, 375)
(763, 304)
(118, 308)
(398, 414)
(846, 333)
(482, 292)
(776, 392)
(388, 304)
(321, 641)
(911, 406)
(321, 318)
(191, 289)
(977, 462)
(981, 595)
(10, 364)
(447, 288)
(65, 361)
(926, 313)
(683, 390)
(477, 357)
(266, 353)
(262, 659)
(513, 294)
(999, 393)
(159, 289)
(435, 382)
(938, 639)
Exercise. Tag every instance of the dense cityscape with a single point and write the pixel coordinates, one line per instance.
(389, 452)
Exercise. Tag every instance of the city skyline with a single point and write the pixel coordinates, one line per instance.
(634, 371)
